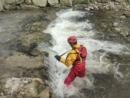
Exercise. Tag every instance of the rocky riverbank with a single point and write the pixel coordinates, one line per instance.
(22, 31)
(116, 5)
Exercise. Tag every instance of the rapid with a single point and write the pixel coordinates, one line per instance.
(102, 64)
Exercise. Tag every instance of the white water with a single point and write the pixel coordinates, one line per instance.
(66, 25)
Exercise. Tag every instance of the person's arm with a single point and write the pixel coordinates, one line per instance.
(71, 57)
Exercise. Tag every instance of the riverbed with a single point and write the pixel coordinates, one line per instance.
(29, 40)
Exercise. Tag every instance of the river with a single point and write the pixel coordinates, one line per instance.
(104, 69)
(24, 32)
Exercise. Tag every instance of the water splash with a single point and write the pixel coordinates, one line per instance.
(70, 23)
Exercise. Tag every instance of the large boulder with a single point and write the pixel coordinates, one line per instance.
(1, 5)
(24, 6)
(7, 6)
(40, 3)
(19, 1)
(66, 2)
(29, 2)
(9, 1)
(53, 2)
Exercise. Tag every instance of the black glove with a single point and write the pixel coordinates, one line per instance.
(57, 57)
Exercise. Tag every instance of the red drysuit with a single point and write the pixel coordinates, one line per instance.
(75, 57)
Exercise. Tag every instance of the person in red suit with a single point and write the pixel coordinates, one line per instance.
(75, 57)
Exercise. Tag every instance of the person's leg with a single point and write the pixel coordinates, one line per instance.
(70, 78)
(82, 72)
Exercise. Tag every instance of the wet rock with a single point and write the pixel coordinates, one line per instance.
(21, 60)
(21, 87)
(53, 2)
(9, 1)
(29, 2)
(87, 9)
(24, 6)
(120, 1)
(31, 88)
(19, 1)
(40, 3)
(74, 96)
(122, 16)
(115, 24)
(127, 14)
(1, 59)
(127, 34)
(118, 29)
(66, 2)
(7, 6)
(57, 5)
(44, 93)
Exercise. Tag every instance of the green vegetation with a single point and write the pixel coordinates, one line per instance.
(61, 5)
(80, 1)
(23, 3)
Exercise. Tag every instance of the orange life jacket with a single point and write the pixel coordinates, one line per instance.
(81, 55)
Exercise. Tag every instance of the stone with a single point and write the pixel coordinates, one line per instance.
(17, 85)
(21, 60)
(44, 93)
(6, 6)
(31, 88)
(13, 7)
(18, 7)
(122, 17)
(29, 2)
(1, 5)
(57, 5)
(87, 9)
(127, 34)
(9, 1)
(118, 29)
(115, 24)
(19, 1)
(127, 14)
(53, 2)
(24, 6)
(66, 2)
(39, 3)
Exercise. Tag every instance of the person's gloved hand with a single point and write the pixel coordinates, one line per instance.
(57, 57)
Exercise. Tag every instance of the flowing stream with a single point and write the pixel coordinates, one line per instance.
(100, 59)
(108, 59)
